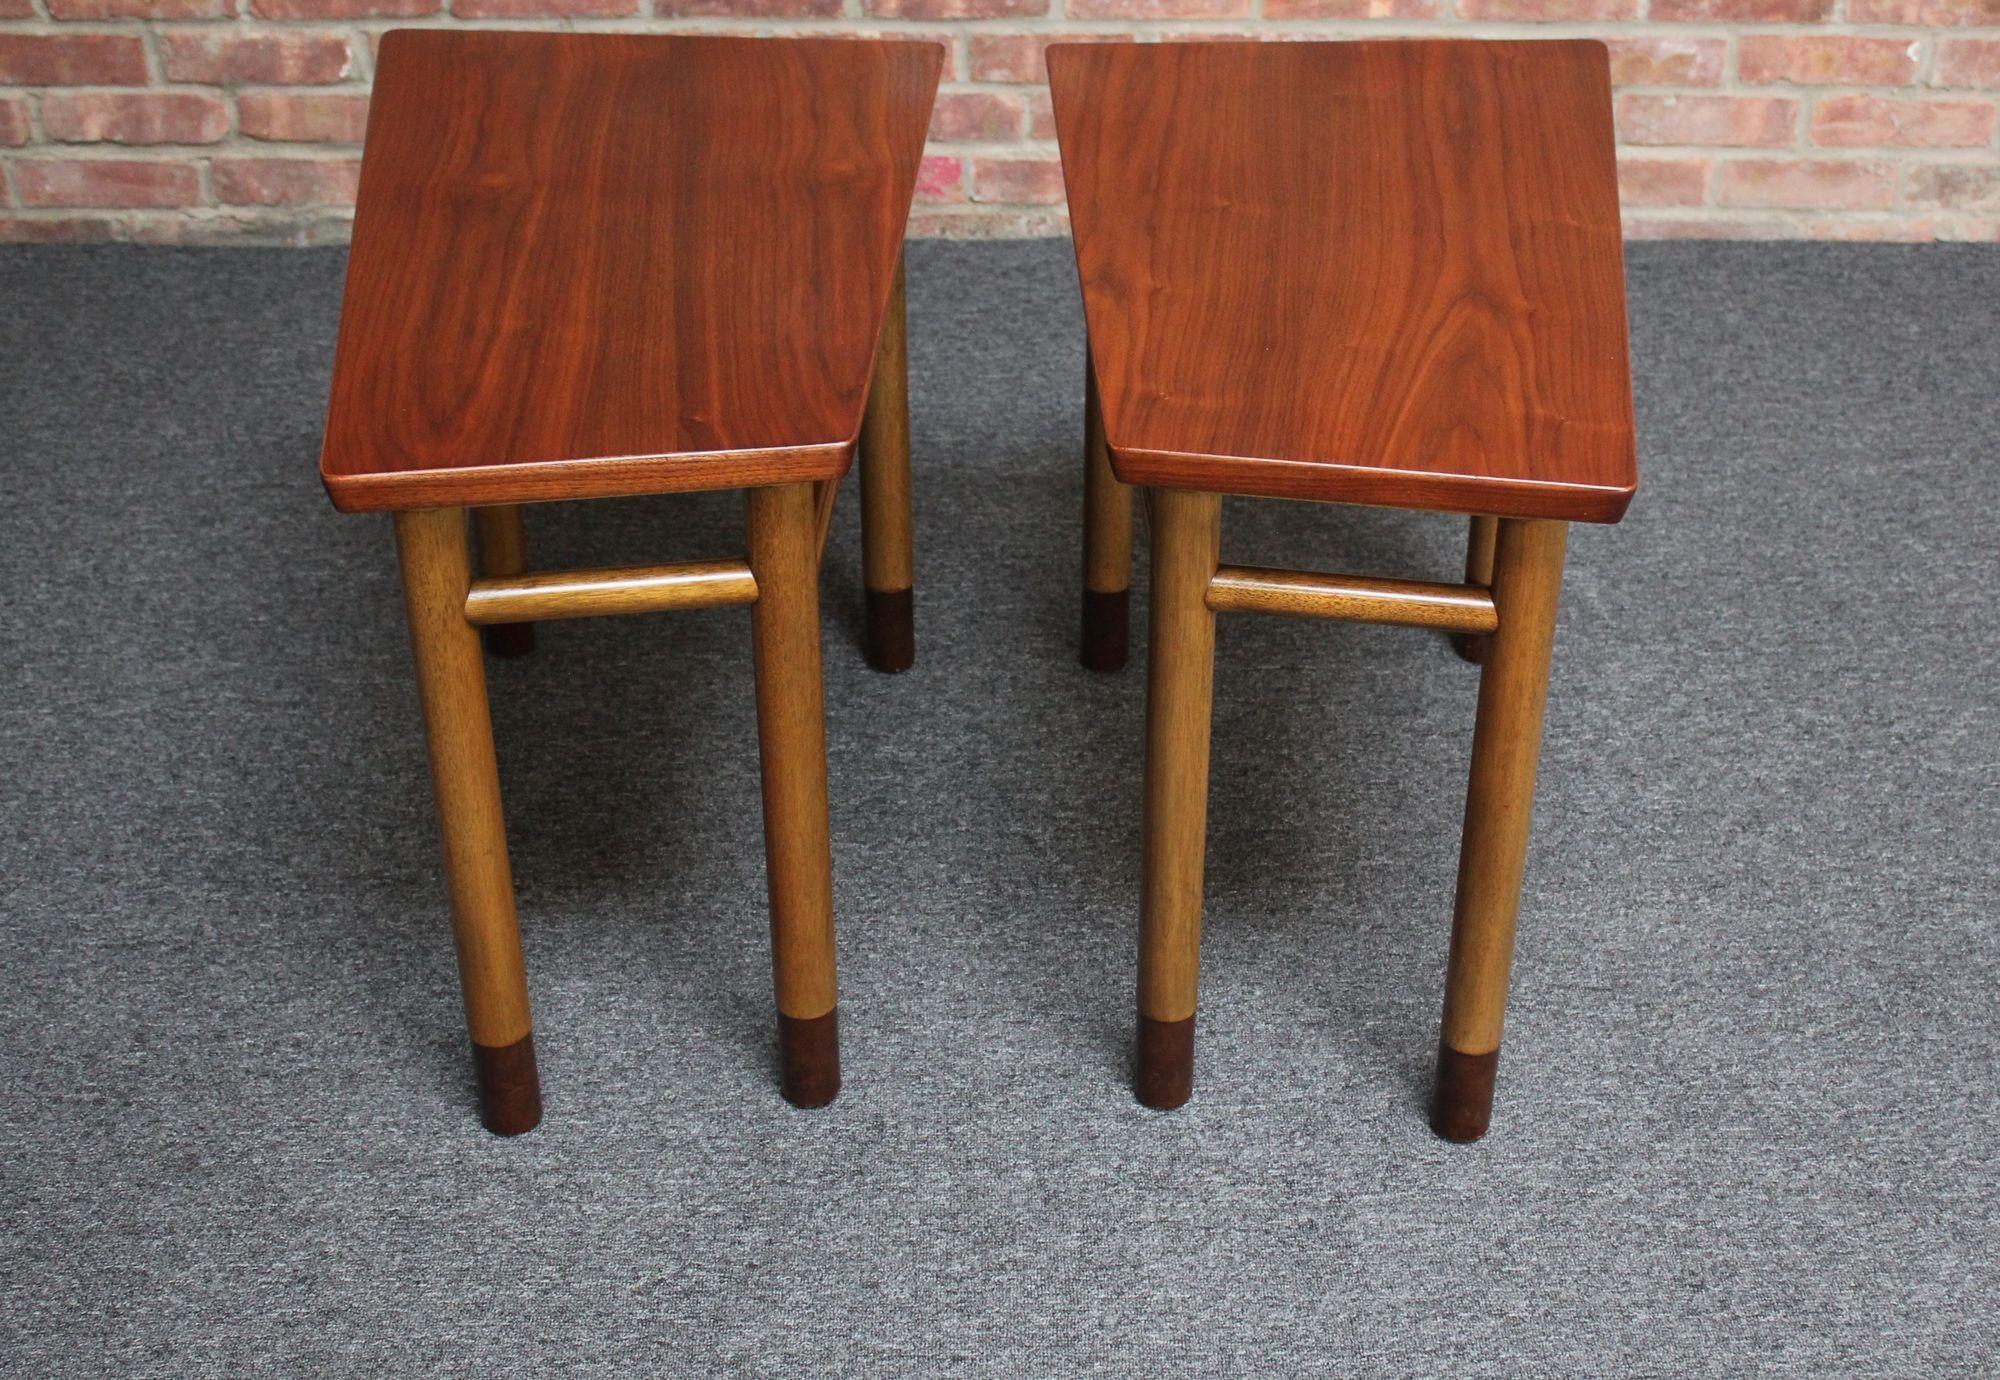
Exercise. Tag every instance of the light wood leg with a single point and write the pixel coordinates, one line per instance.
(792, 741)
(452, 684)
(503, 550)
(1107, 543)
(1506, 741)
(1478, 571)
(1180, 661)
(886, 564)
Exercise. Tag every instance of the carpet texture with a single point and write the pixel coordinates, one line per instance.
(1747, 1106)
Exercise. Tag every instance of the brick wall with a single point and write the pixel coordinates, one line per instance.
(241, 119)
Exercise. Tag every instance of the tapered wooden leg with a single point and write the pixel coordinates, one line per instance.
(1506, 741)
(1180, 662)
(886, 564)
(452, 684)
(1107, 544)
(792, 741)
(1478, 571)
(503, 550)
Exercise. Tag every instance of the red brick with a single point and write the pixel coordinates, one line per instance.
(141, 9)
(1931, 14)
(749, 9)
(1662, 181)
(940, 179)
(272, 59)
(1875, 122)
(167, 228)
(107, 182)
(1159, 9)
(1812, 184)
(55, 230)
(344, 9)
(1023, 181)
(329, 225)
(962, 117)
(72, 60)
(1956, 187)
(927, 225)
(954, 9)
(987, 223)
(285, 181)
(1743, 11)
(946, 38)
(1353, 9)
(1897, 231)
(544, 9)
(1555, 10)
(303, 117)
(133, 117)
(1722, 121)
(1042, 113)
(1667, 61)
(13, 123)
(1971, 62)
(17, 9)
(1704, 228)
(1822, 60)
(1019, 57)
(941, 38)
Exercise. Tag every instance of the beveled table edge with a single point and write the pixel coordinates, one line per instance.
(630, 476)
(1370, 486)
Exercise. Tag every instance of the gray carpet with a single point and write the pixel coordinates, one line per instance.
(1747, 1109)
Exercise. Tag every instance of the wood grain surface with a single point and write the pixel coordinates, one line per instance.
(509, 599)
(451, 686)
(1180, 693)
(1376, 272)
(791, 743)
(587, 265)
(503, 550)
(1352, 598)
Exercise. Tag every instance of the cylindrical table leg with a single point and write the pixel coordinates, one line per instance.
(887, 567)
(1506, 741)
(1107, 544)
(503, 550)
(792, 743)
(1180, 662)
(1478, 571)
(452, 684)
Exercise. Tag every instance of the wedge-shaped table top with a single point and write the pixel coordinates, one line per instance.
(587, 265)
(1379, 272)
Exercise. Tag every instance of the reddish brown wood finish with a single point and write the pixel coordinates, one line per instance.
(510, 1087)
(587, 265)
(1462, 1093)
(1381, 272)
(809, 1058)
(1163, 1076)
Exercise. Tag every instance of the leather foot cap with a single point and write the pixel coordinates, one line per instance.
(892, 629)
(509, 639)
(1462, 1098)
(1471, 646)
(809, 1058)
(1165, 1075)
(1106, 628)
(510, 1089)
